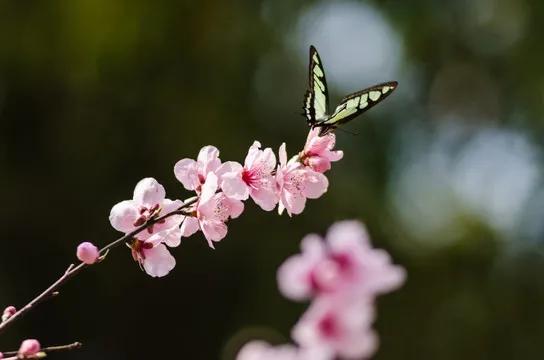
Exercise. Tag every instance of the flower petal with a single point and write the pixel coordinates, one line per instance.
(252, 154)
(282, 155)
(189, 226)
(319, 164)
(315, 144)
(209, 188)
(294, 280)
(294, 203)
(316, 185)
(208, 159)
(171, 237)
(281, 208)
(170, 205)
(158, 261)
(335, 155)
(260, 350)
(236, 207)
(347, 236)
(123, 215)
(213, 230)
(265, 197)
(149, 192)
(267, 160)
(186, 172)
(228, 167)
(234, 186)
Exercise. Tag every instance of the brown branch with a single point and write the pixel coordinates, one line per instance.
(46, 350)
(73, 270)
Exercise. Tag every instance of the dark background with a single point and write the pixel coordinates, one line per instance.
(447, 173)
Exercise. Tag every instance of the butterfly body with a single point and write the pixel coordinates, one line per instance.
(317, 97)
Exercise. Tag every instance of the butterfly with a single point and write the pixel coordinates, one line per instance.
(316, 108)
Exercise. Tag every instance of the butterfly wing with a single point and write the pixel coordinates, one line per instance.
(316, 98)
(357, 103)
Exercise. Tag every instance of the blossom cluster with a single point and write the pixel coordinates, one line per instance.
(221, 189)
(341, 275)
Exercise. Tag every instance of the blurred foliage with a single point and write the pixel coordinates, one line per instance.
(95, 95)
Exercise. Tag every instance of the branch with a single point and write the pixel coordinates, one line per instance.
(73, 270)
(72, 346)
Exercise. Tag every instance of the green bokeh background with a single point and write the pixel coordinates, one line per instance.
(95, 95)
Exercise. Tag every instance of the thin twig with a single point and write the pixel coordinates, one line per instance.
(72, 346)
(72, 270)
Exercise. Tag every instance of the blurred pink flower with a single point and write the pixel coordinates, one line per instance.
(148, 203)
(318, 153)
(192, 174)
(261, 350)
(254, 179)
(29, 347)
(338, 325)
(8, 312)
(345, 262)
(295, 183)
(87, 253)
(213, 210)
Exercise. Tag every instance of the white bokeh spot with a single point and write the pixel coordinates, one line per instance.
(356, 42)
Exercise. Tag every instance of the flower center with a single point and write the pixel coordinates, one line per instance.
(343, 261)
(247, 177)
(295, 182)
(250, 177)
(328, 326)
(147, 214)
(222, 209)
(137, 249)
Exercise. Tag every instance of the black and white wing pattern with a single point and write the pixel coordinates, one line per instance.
(317, 96)
(355, 104)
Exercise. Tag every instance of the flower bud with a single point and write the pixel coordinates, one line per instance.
(87, 253)
(8, 312)
(29, 347)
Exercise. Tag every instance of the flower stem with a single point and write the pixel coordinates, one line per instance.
(73, 270)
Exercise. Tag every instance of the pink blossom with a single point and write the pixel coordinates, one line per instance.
(261, 350)
(29, 347)
(153, 256)
(344, 262)
(338, 325)
(318, 153)
(212, 211)
(87, 253)
(148, 203)
(254, 179)
(8, 312)
(295, 183)
(192, 174)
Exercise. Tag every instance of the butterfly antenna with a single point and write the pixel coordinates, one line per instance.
(348, 132)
